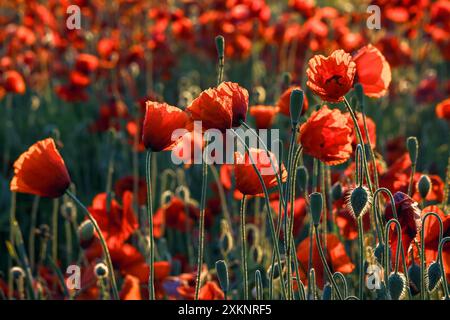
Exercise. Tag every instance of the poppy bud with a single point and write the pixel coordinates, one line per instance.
(222, 274)
(220, 45)
(336, 191)
(296, 106)
(85, 232)
(302, 178)
(17, 272)
(316, 203)
(359, 201)
(413, 149)
(414, 277)
(101, 270)
(397, 285)
(433, 277)
(326, 294)
(424, 186)
(287, 79)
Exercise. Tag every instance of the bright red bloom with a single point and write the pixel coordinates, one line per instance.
(13, 82)
(86, 63)
(131, 289)
(347, 223)
(239, 97)
(211, 291)
(331, 77)
(41, 171)
(284, 101)
(372, 71)
(127, 184)
(326, 135)
(371, 128)
(118, 223)
(443, 109)
(397, 53)
(247, 181)
(336, 256)
(160, 121)
(299, 212)
(264, 115)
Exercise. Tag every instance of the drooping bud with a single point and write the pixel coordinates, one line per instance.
(17, 272)
(433, 277)
(336, 191)
(359, 201)
(316, 205)
(413, 148)
(296, 106)
(85, 233)
(222, 275)
(101, 270)
(302, 178)
(397, 285)
(424, 186)
(414, 277)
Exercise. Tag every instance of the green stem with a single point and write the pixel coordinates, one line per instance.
(151, 255)
(102, 242)
(361, 257)
(55, 230)
(243, 247)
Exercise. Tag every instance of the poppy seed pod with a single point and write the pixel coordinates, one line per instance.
(296, 106)
(316, 204)
(397, 285)
(424, 186)
(302, 178)
(85, 232)
(413, 148)
(433, 277)
(101, 270)
(359, 201)
(414, 277)
(222, 275)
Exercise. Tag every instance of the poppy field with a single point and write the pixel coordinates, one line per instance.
(224, 150)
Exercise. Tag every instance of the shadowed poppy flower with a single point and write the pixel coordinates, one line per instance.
(160, 121)
(13, 82)
(86, 63)
(326, 136)
(372, 71)
(371, 128)
(335, 254)
(264, 115)
(408, 214)
(41, 171)
(299, 212)
(189, 148)
(397, 52)
(284, 101)
(239, 98)
(443, 109)
(119, 222)
(127, 184)
(211, 291)
(131, 289)
(247, 181)
(331, 77)
(347, 223)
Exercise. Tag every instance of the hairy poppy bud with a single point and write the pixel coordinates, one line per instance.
(433, 277)
(101, 270)
(220, 45)
(424, 186)
(414, 277)
(316, 204)
(413, 148)
(397, 285)
(302, 178)
(336, 191)
(359, 201)
(296, 106)
(85, 232)
(222, 274)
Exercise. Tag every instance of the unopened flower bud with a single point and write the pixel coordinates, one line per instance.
(413, 148)
(296, 106)
(424, 186)
(316, 204)
(101, 270)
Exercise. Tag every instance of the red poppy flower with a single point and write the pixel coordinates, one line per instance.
(373, 71)
(396, 178)
(284, 101)
(127, 184)
(13, 82)
(118, 223)
(408, 213)
(41, 171)
(247, 181)
(239, 98)
(189, 148)
(347, 223)
(326, 136)
(443, 109)
(131, 289)
(335, 254)
(211, 291)
(397, 53)
(160, 121)
(264, 115)
(371, 128)
(331, 77)
(299, 212)
(86, 63)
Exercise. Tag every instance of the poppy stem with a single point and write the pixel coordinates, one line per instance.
(422, 249)
(361, 257)
(102, 242)
(387, 267)
(151, 255)
(243, 247)
(201, 235)
(269, 212)
(441, 264)
(55, 230)
(325, 264)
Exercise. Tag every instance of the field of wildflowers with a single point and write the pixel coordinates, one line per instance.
(224, 149)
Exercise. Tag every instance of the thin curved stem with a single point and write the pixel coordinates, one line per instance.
(441, 264)
(343, 280)
(244, 247)
(102, 242)
(387, 268)
(151, 255)
(361, 257)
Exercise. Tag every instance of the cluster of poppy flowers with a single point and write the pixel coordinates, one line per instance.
(152, 257)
